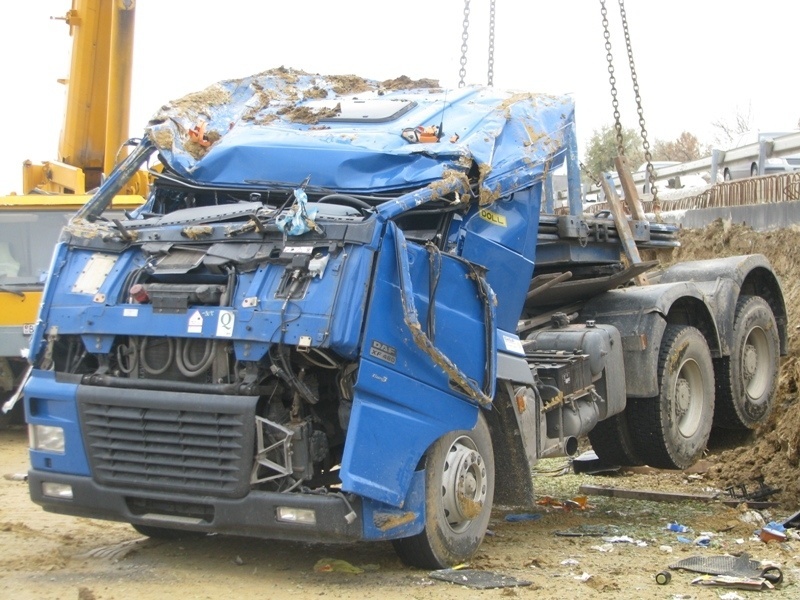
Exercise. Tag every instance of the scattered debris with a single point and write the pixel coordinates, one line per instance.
(752, 517)
(589, 531)
(577, 503)
(516, 517)
(772, 532)
(330, 565)
(115, 552)
(657, 496)
(739, 492)
(729, 581)
(16, 476)
(677, 528)
(653, 495)
(624, 539)
(663, 577)
(792, 521)
(479, 580)
(734, 566)
(591, 464)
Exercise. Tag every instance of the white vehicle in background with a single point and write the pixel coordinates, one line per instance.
(673, 182)
(749, 167)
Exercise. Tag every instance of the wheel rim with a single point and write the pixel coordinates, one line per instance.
(463, 484)
(689, 394)
(756, 364)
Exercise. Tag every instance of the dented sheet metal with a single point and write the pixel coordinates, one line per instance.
(263, 127)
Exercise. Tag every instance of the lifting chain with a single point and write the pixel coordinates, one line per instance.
(612, 79)
(615, 102)
(645, 144)
(490, 76)
(588, 173)
(464, 36)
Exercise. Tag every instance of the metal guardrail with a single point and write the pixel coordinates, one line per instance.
(782, 187)
(714, 164)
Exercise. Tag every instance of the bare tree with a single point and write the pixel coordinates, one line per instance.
(729, 130)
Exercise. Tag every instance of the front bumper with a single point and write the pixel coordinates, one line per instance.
(254, 515)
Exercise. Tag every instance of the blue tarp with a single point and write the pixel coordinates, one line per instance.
(350, 134)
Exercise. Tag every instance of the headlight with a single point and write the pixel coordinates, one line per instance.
(289, 514)
(57, 490)
(46, 438)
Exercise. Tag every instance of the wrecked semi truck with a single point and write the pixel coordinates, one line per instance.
(342, 315)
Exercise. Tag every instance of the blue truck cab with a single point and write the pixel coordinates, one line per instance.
(342, 315)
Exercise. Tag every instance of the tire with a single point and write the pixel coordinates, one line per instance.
(459, 489)
(753, 170)
(611, 441)
(748, 378)
(671, 431)
(727, 175)
(164, 533)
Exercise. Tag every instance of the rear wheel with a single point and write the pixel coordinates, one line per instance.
(754, 170)
(748, 378)
(459, 489)
(671, 430)
(727, 175)
(611, 441)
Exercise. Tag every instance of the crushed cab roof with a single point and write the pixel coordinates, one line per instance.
(352, 134)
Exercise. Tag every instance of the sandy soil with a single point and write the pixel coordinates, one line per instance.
(48, 556)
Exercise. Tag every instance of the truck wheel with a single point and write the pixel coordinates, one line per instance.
(671, 430)
(611, 441)
(748, 378)
(459, 489)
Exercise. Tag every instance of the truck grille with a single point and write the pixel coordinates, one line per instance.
(177, 442)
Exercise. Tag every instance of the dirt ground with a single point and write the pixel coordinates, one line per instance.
(47, 556)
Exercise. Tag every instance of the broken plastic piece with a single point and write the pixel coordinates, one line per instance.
(197, 134)
(739, 566)
(329, 565)
(480, 580)
(729, 581)
(299, 219)
(523, 517)
(422, 135)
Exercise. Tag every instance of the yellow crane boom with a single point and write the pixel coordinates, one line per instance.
(96, 118)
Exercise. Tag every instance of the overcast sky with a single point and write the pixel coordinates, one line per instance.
(698, 61)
